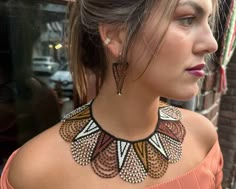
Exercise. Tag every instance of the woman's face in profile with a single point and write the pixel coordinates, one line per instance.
(174, 71)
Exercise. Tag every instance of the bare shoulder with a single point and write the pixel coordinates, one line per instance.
(37, 160)
(200, 128)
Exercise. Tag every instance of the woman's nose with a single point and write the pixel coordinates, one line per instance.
(206, 42)
(213, 45)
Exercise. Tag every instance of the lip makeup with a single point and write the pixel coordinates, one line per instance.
(197, 70)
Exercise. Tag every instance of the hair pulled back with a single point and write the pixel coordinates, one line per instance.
(86, 50)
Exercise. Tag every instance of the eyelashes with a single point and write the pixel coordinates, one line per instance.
(187, 21)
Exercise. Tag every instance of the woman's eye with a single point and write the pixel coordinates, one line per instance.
(186, 21)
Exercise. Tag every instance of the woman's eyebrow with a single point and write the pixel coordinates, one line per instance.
(200, 10)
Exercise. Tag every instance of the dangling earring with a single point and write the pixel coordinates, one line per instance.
(119, 72)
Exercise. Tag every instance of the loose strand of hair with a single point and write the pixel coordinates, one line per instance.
(76, 65)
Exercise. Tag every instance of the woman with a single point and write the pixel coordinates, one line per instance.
(126, 138)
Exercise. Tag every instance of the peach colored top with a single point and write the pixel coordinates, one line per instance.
(207, 175)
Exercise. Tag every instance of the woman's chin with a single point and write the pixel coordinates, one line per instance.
(187, 95)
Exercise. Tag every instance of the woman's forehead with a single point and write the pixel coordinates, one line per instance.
(214, 2)
(208, 6)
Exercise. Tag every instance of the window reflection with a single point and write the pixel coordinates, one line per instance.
(36, 88)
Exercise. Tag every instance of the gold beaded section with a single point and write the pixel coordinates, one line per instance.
(133, 170)
(157, 163)
(74, 122)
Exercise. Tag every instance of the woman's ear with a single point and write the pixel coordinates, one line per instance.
(113, 38)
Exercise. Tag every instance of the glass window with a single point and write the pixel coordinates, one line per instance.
(30, 101)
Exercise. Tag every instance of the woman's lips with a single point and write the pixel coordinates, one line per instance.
(197, 70)
(198, 73)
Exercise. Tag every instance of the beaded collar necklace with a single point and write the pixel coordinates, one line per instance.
(133, 161)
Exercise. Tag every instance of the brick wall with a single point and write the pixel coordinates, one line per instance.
(208, 101)
(227, 125)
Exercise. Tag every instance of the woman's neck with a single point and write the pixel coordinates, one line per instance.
(130, 117)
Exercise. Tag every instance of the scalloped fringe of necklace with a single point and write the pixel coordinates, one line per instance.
(133, 161)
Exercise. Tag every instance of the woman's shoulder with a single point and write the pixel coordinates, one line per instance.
(199, 128)
(38, 159)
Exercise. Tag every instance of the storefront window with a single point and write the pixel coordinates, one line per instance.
(36, 87)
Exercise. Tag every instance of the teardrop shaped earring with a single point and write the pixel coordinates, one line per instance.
(119, 70)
